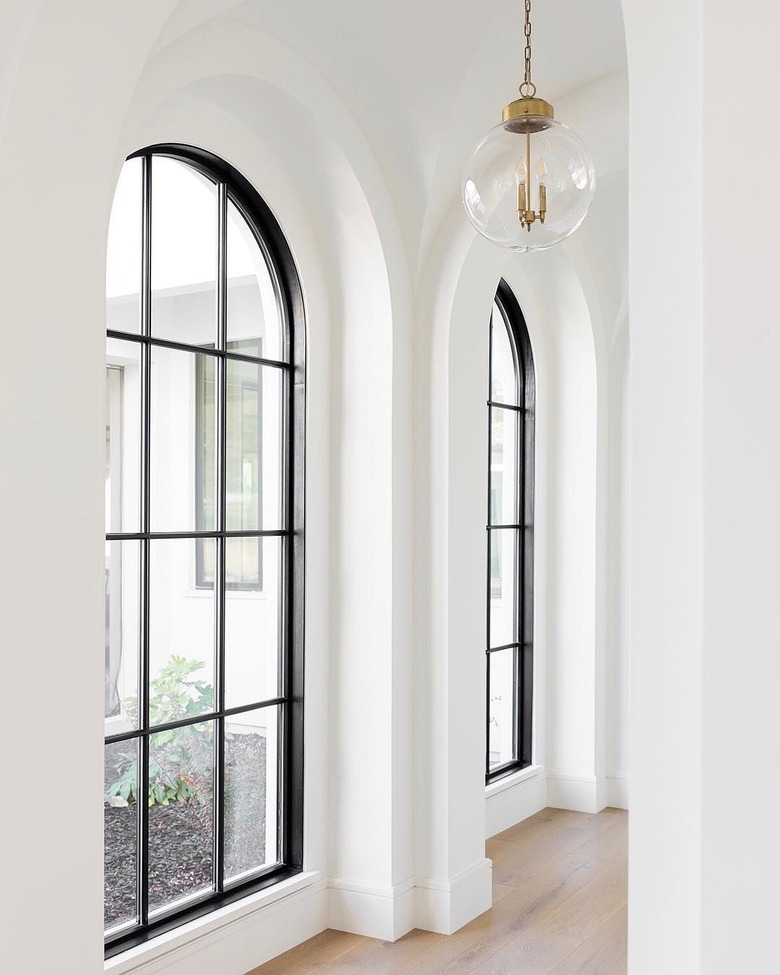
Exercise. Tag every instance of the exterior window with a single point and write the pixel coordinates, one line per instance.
(204, 546)
(511, 404)
(244, 470)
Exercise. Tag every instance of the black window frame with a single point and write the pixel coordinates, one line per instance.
(231, 186)
(513, 320)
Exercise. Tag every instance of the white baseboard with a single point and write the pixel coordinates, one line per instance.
(588, 794)
(617, 791)
(236, 939)
(388, 913)
(444, 907)
(509, 801)
(578, 793)
(374, 911)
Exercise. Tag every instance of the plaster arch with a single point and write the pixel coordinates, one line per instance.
(452, 352)
(261, 94)
(334, 175)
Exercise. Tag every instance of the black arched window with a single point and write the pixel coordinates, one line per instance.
(204, 545)
(510, 532)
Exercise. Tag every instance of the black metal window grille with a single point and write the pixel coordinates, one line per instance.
(510, 545)
(211, 714)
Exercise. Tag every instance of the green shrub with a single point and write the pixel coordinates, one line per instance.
(179, 754)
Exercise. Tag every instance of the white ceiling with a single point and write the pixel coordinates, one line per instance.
(415, 54)
(412, 71)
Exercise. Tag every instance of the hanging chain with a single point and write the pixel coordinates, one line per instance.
(528, 88)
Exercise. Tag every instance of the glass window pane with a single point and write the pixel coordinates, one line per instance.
(251, 792)
(503, 587)
(253, 308)
(502, 722)
(123, 436)
(123, 261)
(504, 475)
(503, 380)
(184, 253)
(120, 833)
(181, 814)
(181, 632)
(252, 621)
(183, 441)
(254, 447)
(123, 602)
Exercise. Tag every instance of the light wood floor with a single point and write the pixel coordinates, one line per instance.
(559, 908)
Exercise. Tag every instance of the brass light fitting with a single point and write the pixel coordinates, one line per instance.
(534, 161)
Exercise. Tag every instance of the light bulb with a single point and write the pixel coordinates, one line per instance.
(493, 177)
(522, 171)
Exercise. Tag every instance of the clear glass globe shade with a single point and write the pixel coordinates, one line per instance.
(500, 163)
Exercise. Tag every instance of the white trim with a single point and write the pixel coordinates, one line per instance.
(236, 938)
(580, 793)
(510, 781)
(372, 910)
(389, 912)
(445, 906)
(617, 790)
(513, 799)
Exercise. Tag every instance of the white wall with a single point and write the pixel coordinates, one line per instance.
(666, 497)
(740, 844)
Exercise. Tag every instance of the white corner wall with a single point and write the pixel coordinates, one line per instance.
(666, 491)
(740, 667)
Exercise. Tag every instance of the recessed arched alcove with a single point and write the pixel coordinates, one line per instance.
(573, 299)
(272, 117)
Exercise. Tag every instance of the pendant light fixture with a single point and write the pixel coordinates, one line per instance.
(530, 182)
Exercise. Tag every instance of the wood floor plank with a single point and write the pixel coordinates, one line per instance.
(531, 953)
(559, 908)
(388, 957)
(322, 950)
(603, 953)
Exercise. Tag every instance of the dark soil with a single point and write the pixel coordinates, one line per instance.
(181, 835)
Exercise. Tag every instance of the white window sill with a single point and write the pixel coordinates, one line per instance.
(132, 959)
(118, 724)
(512, 780)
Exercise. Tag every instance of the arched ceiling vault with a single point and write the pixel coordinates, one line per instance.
(414, 71)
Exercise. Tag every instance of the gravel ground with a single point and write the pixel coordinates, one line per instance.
(181, 835)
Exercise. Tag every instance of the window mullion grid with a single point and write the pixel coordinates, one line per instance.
(288, 701)
(488, 536)
(220, 588)
(142, 786)
(204, 350)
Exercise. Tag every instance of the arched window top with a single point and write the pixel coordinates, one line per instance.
(511, 405)
(201, 226)
(512, 362)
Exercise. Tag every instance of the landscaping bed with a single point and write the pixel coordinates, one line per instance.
(181, 833)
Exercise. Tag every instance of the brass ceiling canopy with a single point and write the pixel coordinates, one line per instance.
(526, 114)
